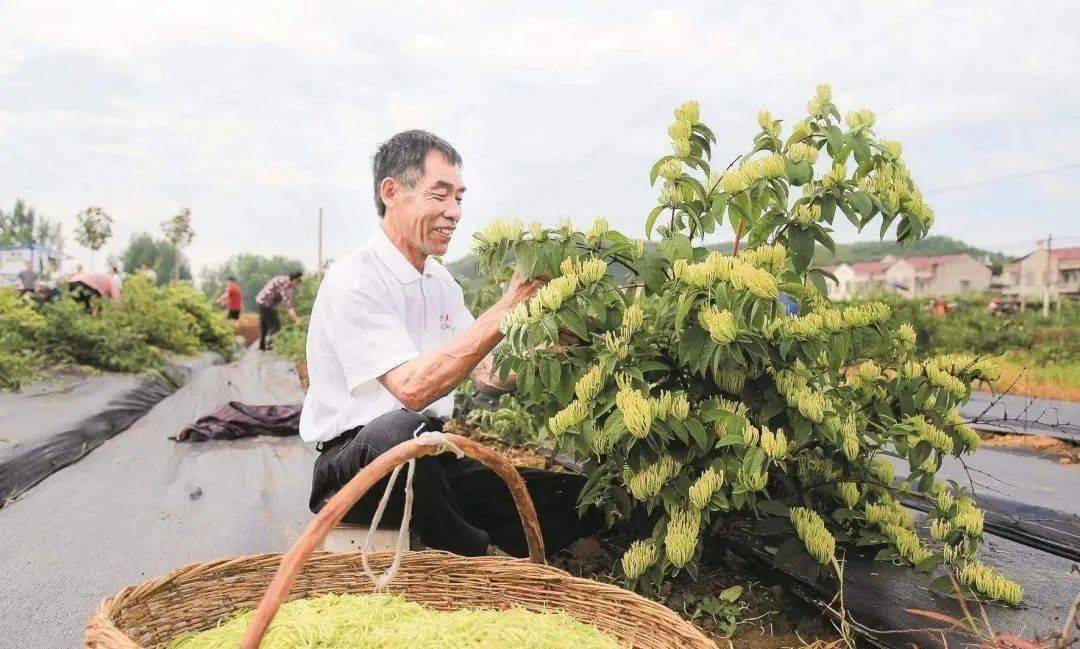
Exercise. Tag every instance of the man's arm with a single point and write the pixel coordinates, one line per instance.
(487, 381)
(421, 381)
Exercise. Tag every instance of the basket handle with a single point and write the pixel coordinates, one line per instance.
(341, 502)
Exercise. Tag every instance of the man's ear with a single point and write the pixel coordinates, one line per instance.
(389, 191)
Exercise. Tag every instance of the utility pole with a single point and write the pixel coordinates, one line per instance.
(319, 269)
(1046, 276)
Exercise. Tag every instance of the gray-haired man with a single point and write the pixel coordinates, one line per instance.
(389, 340)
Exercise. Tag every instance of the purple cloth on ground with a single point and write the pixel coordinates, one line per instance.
(237, 420)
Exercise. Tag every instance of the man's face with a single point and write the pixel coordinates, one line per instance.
(428, 213)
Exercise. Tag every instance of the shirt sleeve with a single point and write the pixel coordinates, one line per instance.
(368, 336)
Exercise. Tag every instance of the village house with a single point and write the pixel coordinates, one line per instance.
(1032, 275)
(912, 276)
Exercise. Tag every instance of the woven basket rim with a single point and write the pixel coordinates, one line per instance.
(102, 616)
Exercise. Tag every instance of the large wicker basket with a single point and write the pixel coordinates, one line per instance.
(198, 596)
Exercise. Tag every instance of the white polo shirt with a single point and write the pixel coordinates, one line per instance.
(374, 311)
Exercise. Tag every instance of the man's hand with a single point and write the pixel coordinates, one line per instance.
(520, 290)
(295, 318)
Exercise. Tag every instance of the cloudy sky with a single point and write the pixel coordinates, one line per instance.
(255, 114)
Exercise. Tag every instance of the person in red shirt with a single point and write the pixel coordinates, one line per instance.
(232, 298)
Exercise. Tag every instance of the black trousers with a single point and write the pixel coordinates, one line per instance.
(269, 323)
(458, 505)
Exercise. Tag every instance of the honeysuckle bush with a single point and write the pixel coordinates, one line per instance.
(126, 336)
(693, 395)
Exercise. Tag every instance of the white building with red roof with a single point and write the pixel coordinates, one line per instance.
(937, 275)
(1033, 274)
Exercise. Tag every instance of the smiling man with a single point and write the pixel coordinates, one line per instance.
(389, 340)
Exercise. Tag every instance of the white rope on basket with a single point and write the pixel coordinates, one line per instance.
(429, 438)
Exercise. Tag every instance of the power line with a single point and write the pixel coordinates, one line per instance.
(1015, 176)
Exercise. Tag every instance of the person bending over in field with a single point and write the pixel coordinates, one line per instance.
(389, 339)
(279, 289)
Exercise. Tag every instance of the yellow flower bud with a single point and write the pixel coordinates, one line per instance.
(672, 169)
(907, 543)
(497, 232)
(636, 411)
(751, 435)
(719, 323)
(819, 105)
(591, 382)
(568, 417)
(801, 130)
(860, 120)
(734, 181)
(731, 381)
(680, 406)
(812, 532)
(891, 149)
(633, 317)
(597, 231)
(707, 484)
(802, 152)
(775, 444)
(669, 194)
(681, 147)
(592, 271)
(639, 557)
(807, 213)
(850, 440)
(745, 277)
(906, 336)
(938, 439)
(679, 131)
(940, 529)
(569, 266)
(772, 259)
(681, 538)
(990, 584)
(849, 494)
(968, 518)
(752, 481)
(883, 470)
(836, 176)
(647, 483)
(615, 345)
(689, 112)
(768, 125)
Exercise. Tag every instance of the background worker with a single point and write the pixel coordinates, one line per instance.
(276, 291)
(389, 339)
(88, 288)
(232, 298)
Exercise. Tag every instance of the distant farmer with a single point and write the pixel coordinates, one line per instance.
(389, 339)
(232, 298)
(279, 289)
(148, 273)
(86, 289)
(117, 278)
(27, 277)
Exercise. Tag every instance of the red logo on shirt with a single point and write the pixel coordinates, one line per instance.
(444, 322)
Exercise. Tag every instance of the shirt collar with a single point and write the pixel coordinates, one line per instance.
(394, 259)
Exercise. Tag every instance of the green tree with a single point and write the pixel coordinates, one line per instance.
(94, 229)
(157, 254)
(251, 271)
(24, 225)
(694, 396)
(179, 233)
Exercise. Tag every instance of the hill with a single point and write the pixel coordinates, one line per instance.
(846, 253)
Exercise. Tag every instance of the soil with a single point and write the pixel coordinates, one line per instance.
(524, 455)
(1043, 446)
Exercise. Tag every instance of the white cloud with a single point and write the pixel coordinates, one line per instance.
(256, 112)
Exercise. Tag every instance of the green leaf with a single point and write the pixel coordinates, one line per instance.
(801, 245)
(655, 171)
(651, 220)
(678, 246)
(697, 431)
(860, 200)
(835, 138)
(572, 321)
(774, 507)
(731, 594)
(551, 330)
(680, 430)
